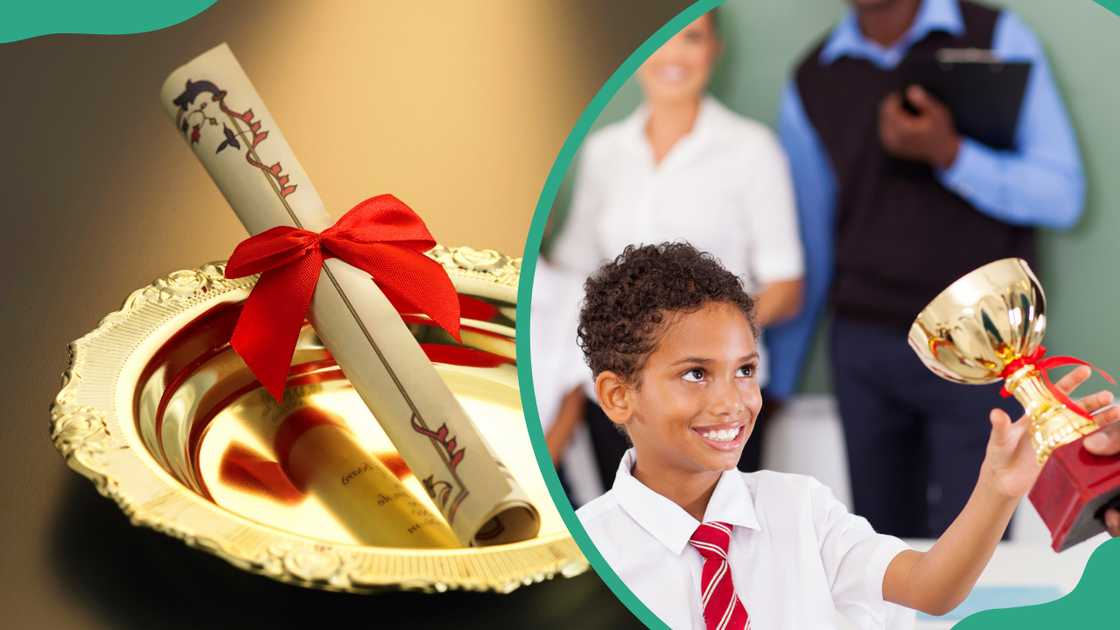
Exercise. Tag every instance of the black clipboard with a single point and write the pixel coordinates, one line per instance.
(984, 94)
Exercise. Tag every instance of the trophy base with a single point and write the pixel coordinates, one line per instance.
(1071, 492)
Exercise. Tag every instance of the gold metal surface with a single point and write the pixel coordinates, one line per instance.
(166, 420)
(982, 323)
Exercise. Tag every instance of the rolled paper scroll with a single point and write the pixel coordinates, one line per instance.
(227, 125)
(323, 459)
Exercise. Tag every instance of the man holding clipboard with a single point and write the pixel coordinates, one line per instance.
(900, 193)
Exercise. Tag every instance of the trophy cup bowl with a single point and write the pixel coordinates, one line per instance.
(157, 410)
(979, 324)
(988, 326)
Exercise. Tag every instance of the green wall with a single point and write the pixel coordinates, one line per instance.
(1082, 39)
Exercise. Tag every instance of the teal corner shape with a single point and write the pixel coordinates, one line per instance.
(1091, 604)
(1087, 606)
(525, 292)
(1111, 5)
(33, 18)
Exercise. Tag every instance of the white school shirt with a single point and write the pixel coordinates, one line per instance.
(725, 188)
(798, 557)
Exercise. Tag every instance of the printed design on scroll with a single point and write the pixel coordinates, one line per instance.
(452, 454)
(193, 118)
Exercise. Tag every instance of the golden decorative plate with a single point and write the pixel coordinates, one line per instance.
(159, 413)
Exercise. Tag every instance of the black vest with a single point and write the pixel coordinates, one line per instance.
(901, 237)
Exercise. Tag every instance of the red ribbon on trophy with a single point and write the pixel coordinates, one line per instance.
(381, 236)
(1044, 364)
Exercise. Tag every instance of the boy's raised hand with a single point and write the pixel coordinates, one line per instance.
(1011, 466)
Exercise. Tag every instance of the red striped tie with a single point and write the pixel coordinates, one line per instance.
(722, 608)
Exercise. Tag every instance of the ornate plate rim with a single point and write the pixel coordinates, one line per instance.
(84, 411)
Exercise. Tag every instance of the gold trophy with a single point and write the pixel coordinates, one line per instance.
(988, 326)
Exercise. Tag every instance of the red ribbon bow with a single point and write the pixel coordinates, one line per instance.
(381, 236)
(1037, 359)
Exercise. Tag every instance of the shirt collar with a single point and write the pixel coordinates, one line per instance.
(847, 39)
(668, 522)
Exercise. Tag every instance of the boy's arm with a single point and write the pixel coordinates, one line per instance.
(938, 580)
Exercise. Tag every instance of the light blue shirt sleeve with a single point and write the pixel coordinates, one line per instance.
(1041, 182)
(815, 189)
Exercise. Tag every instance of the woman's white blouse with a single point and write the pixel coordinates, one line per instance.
(725, 188)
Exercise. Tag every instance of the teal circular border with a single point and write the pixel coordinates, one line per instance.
(1099, 583)
(525, 297)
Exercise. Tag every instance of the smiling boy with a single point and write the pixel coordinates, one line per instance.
(670, 338)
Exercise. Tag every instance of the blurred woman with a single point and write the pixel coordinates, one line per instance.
(685, 167)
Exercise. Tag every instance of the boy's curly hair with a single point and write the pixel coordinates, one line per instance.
(628, 299)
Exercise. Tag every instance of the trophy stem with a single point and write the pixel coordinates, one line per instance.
(1052, 423)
